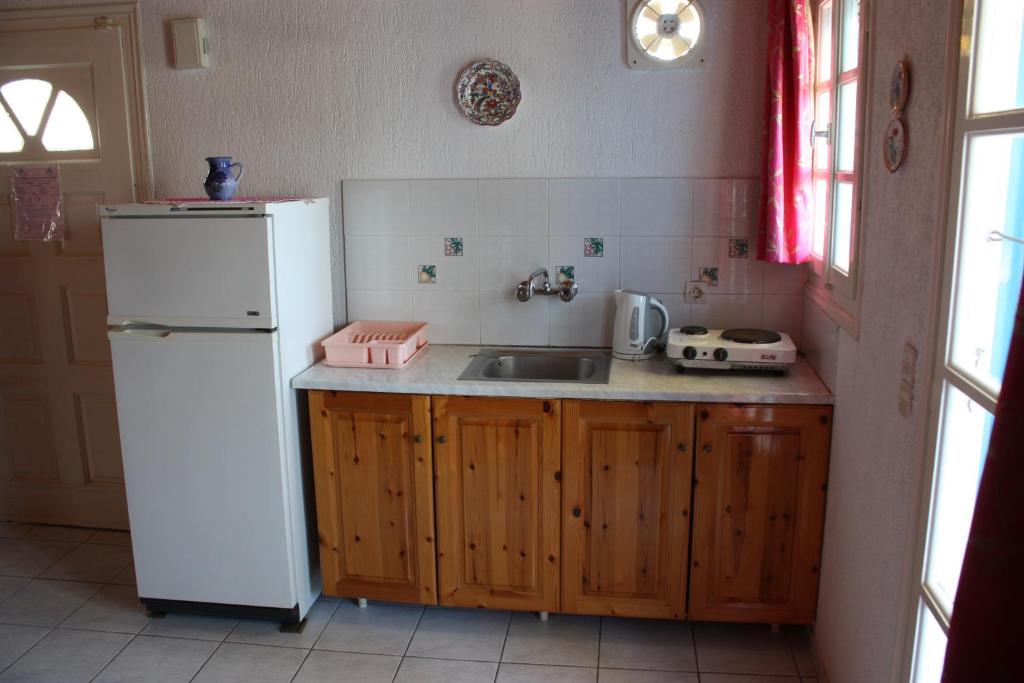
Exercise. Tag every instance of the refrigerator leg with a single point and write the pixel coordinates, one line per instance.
(296, 627)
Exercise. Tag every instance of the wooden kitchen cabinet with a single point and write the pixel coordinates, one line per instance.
(373, 472)
(759, 505)
(627, 471)
(497, 466)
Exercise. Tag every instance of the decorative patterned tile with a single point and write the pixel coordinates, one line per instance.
(566, 273)
(593, 247)
(739, 248)
(453, 246)
(426, 274)
(593, 274)
(709, 274)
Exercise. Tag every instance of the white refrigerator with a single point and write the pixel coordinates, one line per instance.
(212, 309)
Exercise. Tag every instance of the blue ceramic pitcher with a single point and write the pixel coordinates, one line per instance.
(221, 184)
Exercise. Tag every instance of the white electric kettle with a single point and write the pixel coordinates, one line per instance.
(635, 333)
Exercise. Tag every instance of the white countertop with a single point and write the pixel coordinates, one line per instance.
(437, 369)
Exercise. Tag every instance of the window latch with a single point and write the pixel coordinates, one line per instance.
(826, 133)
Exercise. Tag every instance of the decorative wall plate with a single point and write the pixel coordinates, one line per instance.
(488, 92)
(899, 87)
(894, 146)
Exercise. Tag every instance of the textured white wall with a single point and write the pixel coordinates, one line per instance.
(875, 472)
(307, 92)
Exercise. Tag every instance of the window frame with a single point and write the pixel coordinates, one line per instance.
(833, 290)
(960, 125)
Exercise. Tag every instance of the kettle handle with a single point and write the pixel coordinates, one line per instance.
(663, 312)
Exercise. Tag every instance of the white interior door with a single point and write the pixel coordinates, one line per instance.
(64, 97)
(200, 418)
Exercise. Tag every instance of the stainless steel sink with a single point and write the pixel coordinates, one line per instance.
(539, 365)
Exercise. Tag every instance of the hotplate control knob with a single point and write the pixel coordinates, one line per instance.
(689, 353)
(721, 354)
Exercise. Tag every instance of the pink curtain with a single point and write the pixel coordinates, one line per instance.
(785, 233)
(985, 632)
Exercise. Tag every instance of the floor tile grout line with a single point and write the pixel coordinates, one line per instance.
(696, 656)
(412, 636)
(22, 655)
(116, 655)
(206, 661)
(600, 636)
(504, 643)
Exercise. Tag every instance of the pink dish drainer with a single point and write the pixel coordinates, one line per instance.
(376, 344)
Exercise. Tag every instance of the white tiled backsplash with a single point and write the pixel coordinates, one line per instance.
(450, 252)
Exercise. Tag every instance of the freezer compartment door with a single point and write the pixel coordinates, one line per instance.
(190, 272)
(200, 420)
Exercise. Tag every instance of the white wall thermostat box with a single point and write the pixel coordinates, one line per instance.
(191, 46)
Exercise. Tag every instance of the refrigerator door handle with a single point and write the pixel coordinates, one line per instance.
(139, 334)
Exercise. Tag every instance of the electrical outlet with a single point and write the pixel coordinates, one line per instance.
(696, 292)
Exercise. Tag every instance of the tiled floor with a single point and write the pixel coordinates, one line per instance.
(69, 612)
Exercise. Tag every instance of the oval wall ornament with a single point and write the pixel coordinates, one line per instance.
(487, 92)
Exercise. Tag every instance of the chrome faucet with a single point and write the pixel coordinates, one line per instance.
(525, 290)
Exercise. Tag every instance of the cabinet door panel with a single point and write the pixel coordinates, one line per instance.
(498, 502)
(627, 473)
(374, 493)
(758, 512)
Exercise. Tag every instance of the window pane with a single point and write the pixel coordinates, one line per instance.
(847, 124)
(825, 42)
(988, 277)
(820, 217)
(27, 98)
(999, 62)
(843, 231)
(67, 128)
(10, 138)
(850, 29)
(931, 648)
(821, 122)
(962, 446)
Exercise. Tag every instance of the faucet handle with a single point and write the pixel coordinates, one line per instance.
(524, 290)
(567, 290)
